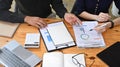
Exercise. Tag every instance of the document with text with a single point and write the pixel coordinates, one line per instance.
(86, 36)
(56, 36)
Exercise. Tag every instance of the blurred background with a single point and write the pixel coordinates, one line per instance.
(113, 11)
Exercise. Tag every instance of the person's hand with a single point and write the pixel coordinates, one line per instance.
(72, 19)
(35, 21)
(102, 27)
(102, 17)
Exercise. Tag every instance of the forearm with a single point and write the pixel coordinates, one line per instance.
(88, 16)
(116, 21)
(11, 17)
(107, 25)
(59, 8)
(6, 15)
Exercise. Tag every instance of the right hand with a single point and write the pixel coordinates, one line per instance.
(72, 19)
(102, 27)
(35, 21)
(103, 17)
(99, 28)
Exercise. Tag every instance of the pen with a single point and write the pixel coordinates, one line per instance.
(101, 26)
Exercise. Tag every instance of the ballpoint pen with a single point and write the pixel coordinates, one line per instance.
(101, 26)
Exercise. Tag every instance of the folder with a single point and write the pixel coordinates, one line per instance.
(7, 29)
(56, 36)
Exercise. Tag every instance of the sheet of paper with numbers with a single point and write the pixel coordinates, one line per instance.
(85, 37)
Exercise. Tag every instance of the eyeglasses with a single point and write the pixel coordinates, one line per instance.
(76, 62)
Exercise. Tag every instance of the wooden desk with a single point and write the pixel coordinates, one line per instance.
(110, 37)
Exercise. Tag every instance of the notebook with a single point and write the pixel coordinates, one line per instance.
(56, 36)
(14, 55)
(7, 28)
(111, 55)
(86, 36)
(58, 59)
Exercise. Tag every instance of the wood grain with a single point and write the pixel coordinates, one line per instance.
(110, 37)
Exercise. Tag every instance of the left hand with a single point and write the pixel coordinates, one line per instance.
(72, 19)
(103, 17)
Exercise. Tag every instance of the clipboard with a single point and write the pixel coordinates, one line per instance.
(56, 36)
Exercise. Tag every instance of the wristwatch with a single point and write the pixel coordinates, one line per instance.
(112, 24)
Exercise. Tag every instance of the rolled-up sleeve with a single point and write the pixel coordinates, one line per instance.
(117, 3)
(59, 8)
(78, 7)
(6, 15)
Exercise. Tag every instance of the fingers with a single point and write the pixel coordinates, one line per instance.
(72, 19)
(39, 24)
(102, 17)
(36, 25)
(100, 27)
(75, 21)
(42, 23)
(79, 21)
(35, 21)
(104, 14)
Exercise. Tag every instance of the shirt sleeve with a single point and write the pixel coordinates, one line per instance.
(59, 8)
(6, 15)
(117, 3)
(78, 7)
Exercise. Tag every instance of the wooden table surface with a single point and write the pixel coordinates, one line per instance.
(110, 36)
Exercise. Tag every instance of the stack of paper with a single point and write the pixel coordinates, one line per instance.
(59, 33)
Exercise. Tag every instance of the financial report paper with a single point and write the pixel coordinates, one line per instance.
(85, 37)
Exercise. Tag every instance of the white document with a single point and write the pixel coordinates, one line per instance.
(56, 36)
(59, 33)
(86, 37)
(58, 59)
